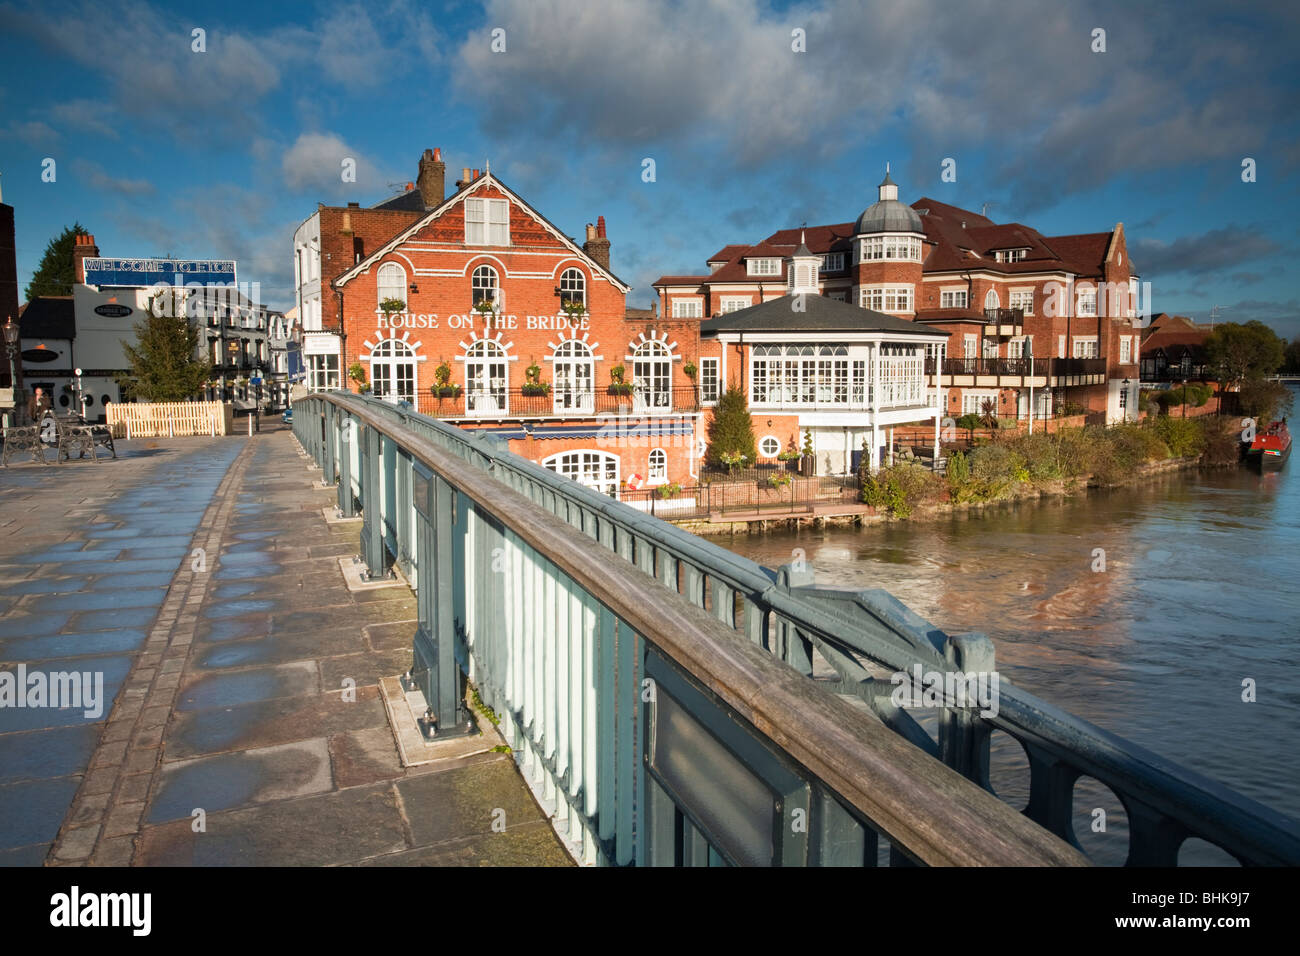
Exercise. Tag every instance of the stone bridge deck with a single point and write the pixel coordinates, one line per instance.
(223, 682)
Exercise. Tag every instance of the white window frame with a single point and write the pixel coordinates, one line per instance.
(652, 377)
(993, 297)
(833, 262)
(891, 299)
(1086, 302)
(890, 248)
(952, 298)
(392, 370)
(763, 441)
(386, 285)
(765, 266)
(598, 470)
(734, 303)
(657, 467)
(487, 378)
(478, 286)
(1085, 346)
(1125, 350)
(573, 287)
(688, 308)
(1060, 346)
(710, 383)
(970, 345)
(979, 397)
(1022, 299)
(487, 221)
(574, 374)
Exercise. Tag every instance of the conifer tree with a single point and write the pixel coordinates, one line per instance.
(731, 431)
(56, 273)
(164, 366)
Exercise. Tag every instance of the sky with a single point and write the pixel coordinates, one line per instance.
(757, 116)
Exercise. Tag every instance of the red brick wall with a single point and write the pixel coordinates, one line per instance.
(371, 228)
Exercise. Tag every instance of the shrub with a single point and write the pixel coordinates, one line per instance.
(1222, 440)
(1183, 436)
(899, 489)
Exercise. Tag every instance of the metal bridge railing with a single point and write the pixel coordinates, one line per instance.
(866, 637)
(650, 731)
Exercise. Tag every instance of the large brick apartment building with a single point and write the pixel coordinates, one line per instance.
(476, 309)
(1002, 292)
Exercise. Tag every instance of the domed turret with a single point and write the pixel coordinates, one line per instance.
(887, 214)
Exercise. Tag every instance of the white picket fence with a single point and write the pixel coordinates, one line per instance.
(169, 419)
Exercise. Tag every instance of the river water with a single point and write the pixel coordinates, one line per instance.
(1201, 591)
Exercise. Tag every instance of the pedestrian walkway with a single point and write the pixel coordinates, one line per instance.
(242, 721)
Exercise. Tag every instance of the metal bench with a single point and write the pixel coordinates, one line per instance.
(23, 439)
(74, 434)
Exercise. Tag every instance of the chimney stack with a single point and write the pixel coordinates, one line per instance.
(597, 246)
(464, 178)
(83, 249)
(432, 178)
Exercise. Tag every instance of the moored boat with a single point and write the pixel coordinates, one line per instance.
(1271, 447)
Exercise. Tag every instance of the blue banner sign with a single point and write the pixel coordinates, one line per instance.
(143, 273)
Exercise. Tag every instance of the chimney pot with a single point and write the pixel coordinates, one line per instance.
(591, 231)
(437, 154)
(410, 186)
(600, 226)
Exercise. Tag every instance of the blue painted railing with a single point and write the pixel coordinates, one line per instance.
(861, 639)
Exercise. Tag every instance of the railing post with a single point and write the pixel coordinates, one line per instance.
(441, 577)
(963, 734)
(372, 524)
(331, 417)
(347, 435)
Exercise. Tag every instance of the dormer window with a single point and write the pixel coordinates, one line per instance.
(764, 267)
(1011, 255)
(833, 262)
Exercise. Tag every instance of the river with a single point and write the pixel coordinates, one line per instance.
(1201, 591)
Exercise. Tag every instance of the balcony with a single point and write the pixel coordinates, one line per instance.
(1015, 372)
(512, 404)
(1006, 323)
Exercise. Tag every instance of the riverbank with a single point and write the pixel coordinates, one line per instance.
(1010, 470)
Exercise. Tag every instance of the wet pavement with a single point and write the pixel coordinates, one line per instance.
(198, 580)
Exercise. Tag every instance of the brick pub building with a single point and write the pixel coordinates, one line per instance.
(479, 311)
(1002, 292)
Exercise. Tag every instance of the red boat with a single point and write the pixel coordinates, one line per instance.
(1271, 447)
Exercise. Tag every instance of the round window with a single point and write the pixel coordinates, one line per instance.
(90, 400)
(63, 400)
(104, 399)
(769, 446)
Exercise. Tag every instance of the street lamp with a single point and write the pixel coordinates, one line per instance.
(11, 346)
(1124, 385)
(1029, 350)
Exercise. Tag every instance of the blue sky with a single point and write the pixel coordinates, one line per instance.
(220, 154)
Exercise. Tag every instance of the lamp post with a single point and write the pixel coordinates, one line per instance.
(1124, 385)
(11, 346)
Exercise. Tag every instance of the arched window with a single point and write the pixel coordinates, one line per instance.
(574, 378)
(652, 376)
(486, 286)
(658, 469)
(573, 288)
(392, 371)
(392, 282)
(486, 377)
(595, 469)
(991, 300)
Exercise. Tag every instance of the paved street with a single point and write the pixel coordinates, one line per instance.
(200, 579)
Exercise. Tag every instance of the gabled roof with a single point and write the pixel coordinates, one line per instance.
(819, 314)
(459, 196)
(48, 317)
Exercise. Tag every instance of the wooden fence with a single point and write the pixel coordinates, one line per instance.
(169, 419)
